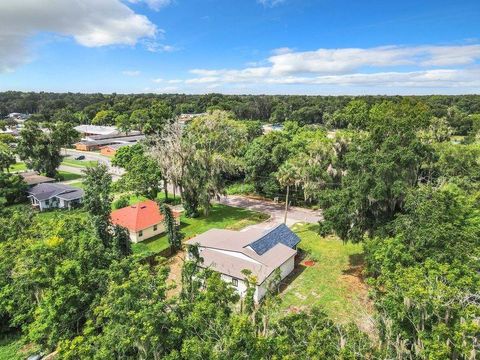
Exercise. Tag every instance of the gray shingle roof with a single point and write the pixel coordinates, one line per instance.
(278, 235)
(47, 191)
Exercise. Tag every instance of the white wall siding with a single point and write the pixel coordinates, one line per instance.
(285, 269)
(147, 233)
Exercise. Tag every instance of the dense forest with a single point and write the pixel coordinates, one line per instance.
(303, 109)
(400, 175)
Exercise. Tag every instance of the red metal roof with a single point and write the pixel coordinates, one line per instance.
(139, 216)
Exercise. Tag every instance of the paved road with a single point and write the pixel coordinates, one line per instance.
(72, 169)
(276, 211)
(116, 172)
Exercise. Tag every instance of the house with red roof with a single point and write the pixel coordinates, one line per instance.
(143, 220)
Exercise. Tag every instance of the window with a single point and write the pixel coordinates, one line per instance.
(140, 233)
(154, 227)
(234, 282)
(47, 202)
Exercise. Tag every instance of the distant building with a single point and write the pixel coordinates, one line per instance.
(111, 150)
(183, 119)
(262, 252)
(92, 145)
(33, 178)
(143, 220)
(88, 130)
(271, 127)
(55, 196)
(18, 117)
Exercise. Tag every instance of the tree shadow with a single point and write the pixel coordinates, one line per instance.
(296, 272)
(356, 264)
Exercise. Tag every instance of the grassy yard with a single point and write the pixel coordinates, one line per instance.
(67, 176)
(134, 199)
(78, 184)
(78, 163)
(333, 282)
(10, 346)
(221, 217)
(19, 166)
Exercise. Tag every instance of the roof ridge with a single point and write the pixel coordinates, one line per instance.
(265, 234)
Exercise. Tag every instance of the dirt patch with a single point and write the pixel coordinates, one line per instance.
(354, 281)
(309, 263)
(175, 276)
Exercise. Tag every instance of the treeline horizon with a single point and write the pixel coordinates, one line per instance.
(275, 108)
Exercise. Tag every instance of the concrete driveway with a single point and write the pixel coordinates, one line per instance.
(276, 211)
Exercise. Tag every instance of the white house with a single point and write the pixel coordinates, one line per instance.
(49, 196)
(260, 251)
(143, 220)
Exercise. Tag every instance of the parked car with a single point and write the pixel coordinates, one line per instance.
(81, 157)
(35, 357)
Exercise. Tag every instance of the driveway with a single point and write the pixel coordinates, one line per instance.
(276, 211)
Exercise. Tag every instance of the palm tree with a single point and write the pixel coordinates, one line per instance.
(286, 176)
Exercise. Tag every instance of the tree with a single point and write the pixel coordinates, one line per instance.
(104, 117)
(160, 113)
(12, 188)
(356, 114)
(149, 334)
(308, 115)
(142, 176)
(40, 149)
(423, 280)
(381, 167)
(171, 153)
(124, 124)
(287, 176)
(98, 199)
(64, 116)
(171, 227)
(263, 158)
(215, 142)
(7, 157)
(123, 157)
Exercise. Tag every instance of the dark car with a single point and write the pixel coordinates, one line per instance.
(81, 157)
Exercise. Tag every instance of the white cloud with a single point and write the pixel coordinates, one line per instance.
(153, 4)
(131, 72)
(92, 23)
(158, 80)
(167, 90)
(270, 3)
(332, 61)
(387, 67)
(155, 46)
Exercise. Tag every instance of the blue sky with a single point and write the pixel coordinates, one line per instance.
(243, 46)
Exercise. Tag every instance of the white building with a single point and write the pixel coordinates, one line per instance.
(260, 251)
(52, 196)
(89, 130)
(143, 220)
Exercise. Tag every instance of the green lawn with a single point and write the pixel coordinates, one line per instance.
(67, 176)
(221, 217)
(60, 214)
(78, 163)
(19, 166)
(10, 346)
(134, 199)
(78, 184)
(332, 282)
